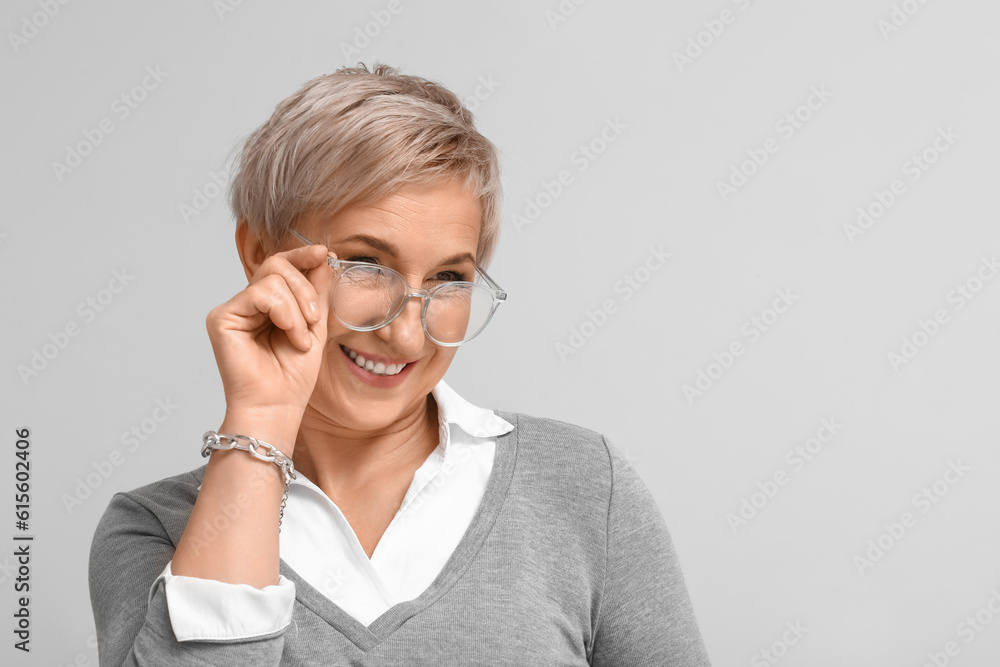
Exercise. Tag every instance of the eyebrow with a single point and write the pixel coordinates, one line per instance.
(388, 248)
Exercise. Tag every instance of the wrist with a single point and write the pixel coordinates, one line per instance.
(278, 427)
(224, 443)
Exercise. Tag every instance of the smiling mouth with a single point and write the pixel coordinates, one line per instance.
(375, 368)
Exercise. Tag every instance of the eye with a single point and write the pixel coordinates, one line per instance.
(363, 258)
(450, 276)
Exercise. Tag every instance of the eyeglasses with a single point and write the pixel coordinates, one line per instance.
(369, 296)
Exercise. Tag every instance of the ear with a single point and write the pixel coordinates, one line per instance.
(252, 251)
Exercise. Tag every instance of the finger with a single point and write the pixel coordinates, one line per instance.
(237, 314)
(321, 279)
(305, 257)
(273, 297)
(291, 271)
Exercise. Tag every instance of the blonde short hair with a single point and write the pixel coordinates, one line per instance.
(354, 136)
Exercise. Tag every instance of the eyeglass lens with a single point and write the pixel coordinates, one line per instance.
(368, 296)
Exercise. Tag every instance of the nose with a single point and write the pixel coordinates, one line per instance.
(405, 334)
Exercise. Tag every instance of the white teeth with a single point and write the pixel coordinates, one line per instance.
(372, 367)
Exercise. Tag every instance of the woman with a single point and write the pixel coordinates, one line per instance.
(376, 517)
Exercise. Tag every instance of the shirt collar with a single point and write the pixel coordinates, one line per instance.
(477, 422)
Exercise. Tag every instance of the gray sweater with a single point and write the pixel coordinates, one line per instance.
(567, 562)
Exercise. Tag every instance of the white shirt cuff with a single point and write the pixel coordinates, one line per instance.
(207, 610)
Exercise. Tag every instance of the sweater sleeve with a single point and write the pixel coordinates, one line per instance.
(129, 559)
(645, 616)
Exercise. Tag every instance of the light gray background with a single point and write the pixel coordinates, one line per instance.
(555, 85)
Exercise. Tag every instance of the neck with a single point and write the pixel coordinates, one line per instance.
(339, 459)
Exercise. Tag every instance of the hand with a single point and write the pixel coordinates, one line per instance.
(269, 340)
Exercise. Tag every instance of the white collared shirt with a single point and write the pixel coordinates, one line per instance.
(319, 544)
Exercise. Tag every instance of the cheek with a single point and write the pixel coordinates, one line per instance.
(439, 362)
(334, 327)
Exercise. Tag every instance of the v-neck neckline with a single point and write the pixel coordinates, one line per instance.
(461, 558)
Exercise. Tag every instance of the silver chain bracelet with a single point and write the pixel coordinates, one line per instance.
(213, 440)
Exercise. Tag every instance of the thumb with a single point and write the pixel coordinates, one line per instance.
(322, 278)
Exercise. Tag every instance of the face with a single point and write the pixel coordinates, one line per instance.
(427, 234)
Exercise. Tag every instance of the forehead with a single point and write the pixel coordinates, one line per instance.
(425, 220)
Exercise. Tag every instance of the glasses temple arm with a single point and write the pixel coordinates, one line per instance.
(502, 295)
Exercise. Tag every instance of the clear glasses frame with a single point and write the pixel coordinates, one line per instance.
(499, 296)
